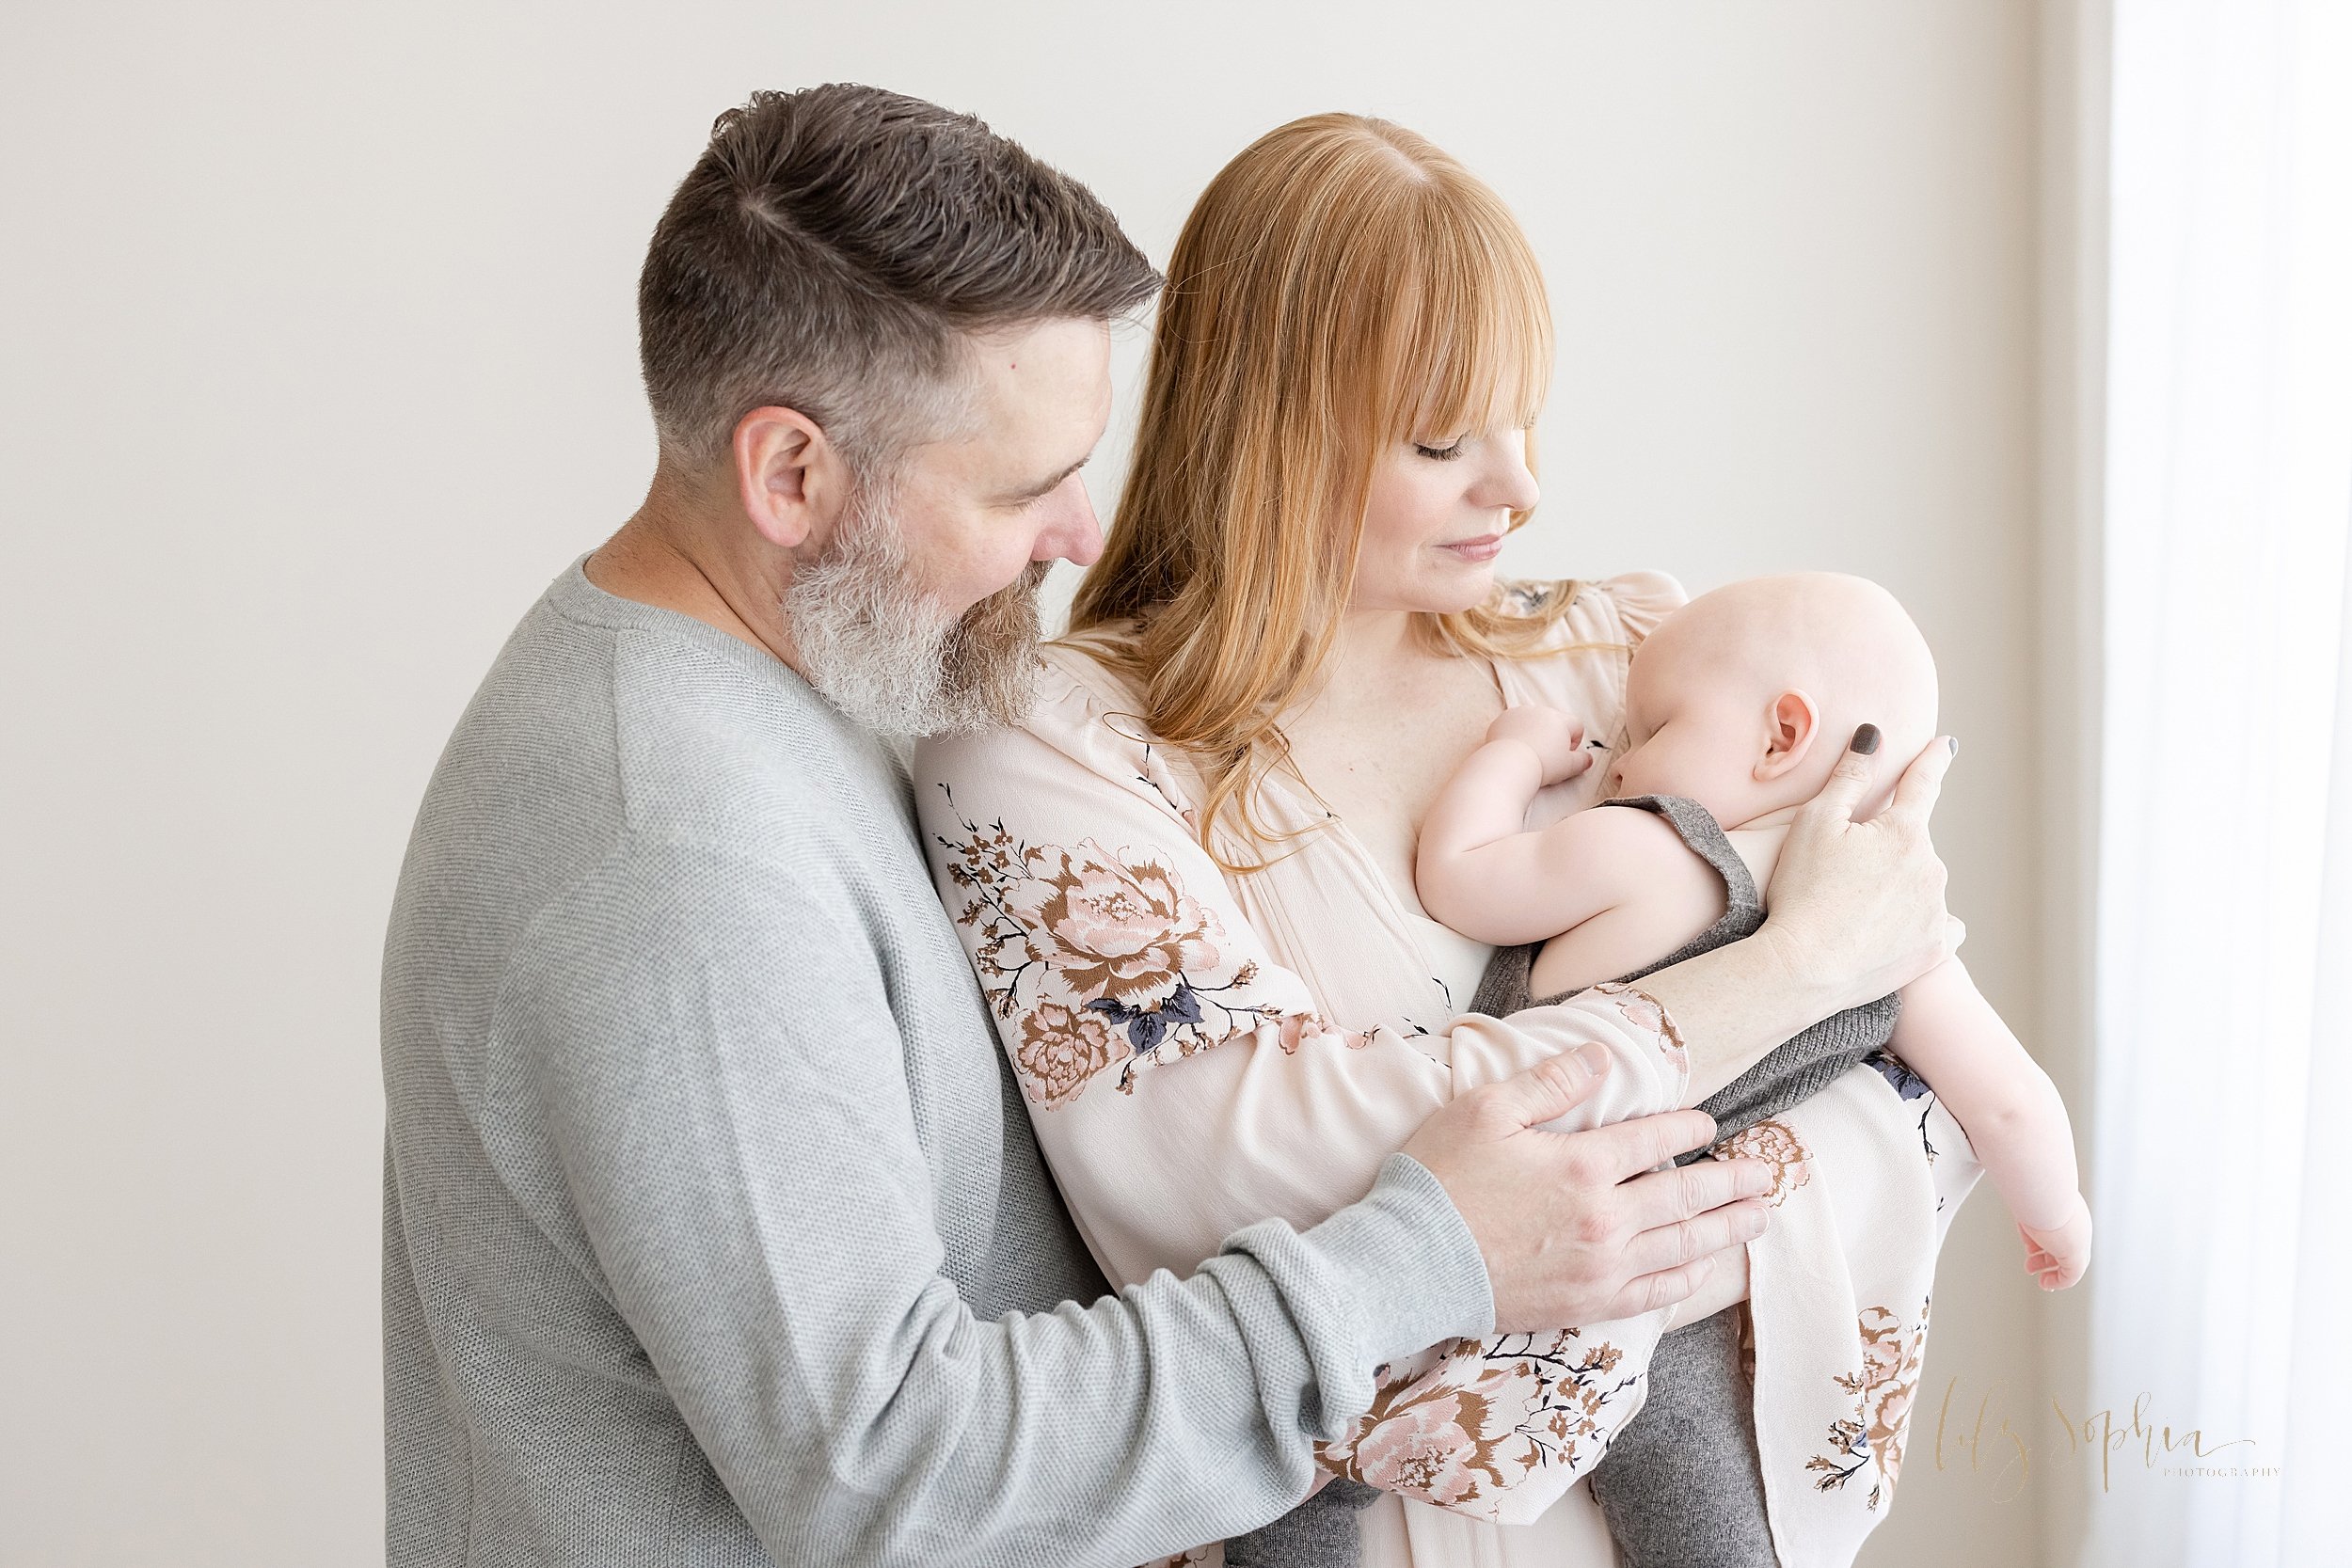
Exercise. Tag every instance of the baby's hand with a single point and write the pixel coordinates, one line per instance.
(2060, 1253)
(1557, 740)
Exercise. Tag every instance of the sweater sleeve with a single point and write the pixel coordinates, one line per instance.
(708, 1043)
(1182, 1080)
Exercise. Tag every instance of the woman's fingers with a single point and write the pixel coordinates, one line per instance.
(1851, 780)
(1915, 792)
(1862, 903)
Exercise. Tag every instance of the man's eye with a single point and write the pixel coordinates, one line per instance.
(1442, 453)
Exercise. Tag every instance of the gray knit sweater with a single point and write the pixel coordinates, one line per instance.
(714, 1232)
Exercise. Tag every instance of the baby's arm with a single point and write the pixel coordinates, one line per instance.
(1476, 870)
(1949, 1034)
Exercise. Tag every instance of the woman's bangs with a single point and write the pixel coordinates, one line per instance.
(1484, 330)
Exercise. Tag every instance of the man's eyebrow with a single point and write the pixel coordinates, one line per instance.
(1049, 487)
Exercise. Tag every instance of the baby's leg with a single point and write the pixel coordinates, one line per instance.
(1681, 1487)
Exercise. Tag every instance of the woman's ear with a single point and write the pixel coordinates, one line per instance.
(788, 476)
(1791, 724)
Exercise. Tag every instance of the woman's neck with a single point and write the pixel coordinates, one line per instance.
(1372, 650)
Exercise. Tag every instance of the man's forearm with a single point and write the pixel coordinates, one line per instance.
(1178, 1412)
(1181, 1411)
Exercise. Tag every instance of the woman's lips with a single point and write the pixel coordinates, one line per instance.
(1485, 547)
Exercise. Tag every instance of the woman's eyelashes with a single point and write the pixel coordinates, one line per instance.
(1458, 445)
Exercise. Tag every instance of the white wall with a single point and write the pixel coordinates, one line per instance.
(317, 362)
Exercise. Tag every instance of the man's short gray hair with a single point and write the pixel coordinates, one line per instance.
(834, 251)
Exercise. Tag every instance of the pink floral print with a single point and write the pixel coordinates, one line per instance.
(1644, 1013)
(1122, 966)
(1059, 1050)
(1460, 1425)
(1776, 1144)
(1872, 1438)
(1122, 930)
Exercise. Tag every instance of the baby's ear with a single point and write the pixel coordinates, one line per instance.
(1791, 724)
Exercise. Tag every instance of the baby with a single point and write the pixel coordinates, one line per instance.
(1737, 709)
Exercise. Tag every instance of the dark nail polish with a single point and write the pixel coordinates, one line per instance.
(1953, 741)
(1865, 739)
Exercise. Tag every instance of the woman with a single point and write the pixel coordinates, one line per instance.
(1186, 881)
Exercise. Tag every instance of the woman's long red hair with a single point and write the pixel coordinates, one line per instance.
(1340, 285)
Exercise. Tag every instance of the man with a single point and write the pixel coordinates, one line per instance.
(714, 1230)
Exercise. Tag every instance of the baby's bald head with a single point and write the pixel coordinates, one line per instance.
(1843, 641)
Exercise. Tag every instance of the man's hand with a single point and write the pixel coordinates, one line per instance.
(1571, 1230)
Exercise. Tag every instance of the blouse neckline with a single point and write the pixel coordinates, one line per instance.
(1411, 926)
(1290, 803)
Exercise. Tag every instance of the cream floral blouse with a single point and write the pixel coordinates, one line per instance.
(1200, 1052)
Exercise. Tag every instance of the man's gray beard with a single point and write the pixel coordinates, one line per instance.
(880, 650)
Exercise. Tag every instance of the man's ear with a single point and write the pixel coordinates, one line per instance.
(788, 476)
(1791, 724)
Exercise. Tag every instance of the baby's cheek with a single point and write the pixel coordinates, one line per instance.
(1633, 772)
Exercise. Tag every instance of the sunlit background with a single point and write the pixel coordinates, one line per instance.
(317, 362)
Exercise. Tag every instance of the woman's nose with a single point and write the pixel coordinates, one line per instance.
(1510, 483)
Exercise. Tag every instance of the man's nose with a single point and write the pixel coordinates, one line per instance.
(1073, 535)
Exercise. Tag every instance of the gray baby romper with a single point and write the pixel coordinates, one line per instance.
(1681, 1486)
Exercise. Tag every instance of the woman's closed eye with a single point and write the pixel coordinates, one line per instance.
(1443, 451)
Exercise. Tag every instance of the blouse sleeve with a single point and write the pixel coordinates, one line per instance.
(1182, 1083)
(1644, 599)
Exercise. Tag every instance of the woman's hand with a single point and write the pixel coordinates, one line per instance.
(1858, 907)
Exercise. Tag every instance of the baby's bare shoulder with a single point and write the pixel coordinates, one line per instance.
(1630, 845)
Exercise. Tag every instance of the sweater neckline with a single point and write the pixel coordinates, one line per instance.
(575, 599)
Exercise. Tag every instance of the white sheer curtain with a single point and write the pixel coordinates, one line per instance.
(2222, 1283)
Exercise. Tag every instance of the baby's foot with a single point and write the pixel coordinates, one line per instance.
(1555, 738)
(2058, 1254)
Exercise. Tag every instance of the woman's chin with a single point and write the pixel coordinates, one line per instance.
(1441, 592)
(1457, 589)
